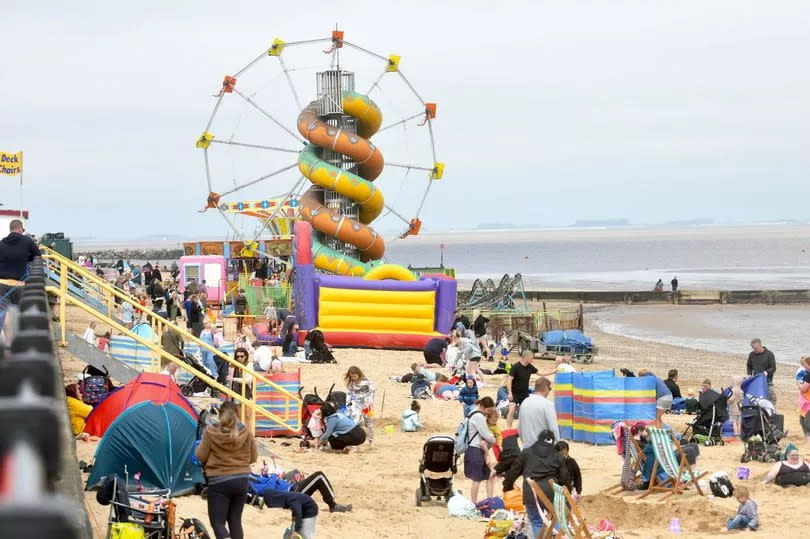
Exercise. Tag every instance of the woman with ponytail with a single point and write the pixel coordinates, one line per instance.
(227, 450)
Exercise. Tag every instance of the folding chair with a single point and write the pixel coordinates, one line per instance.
(542, 501)
(574, 528)
(669, 455)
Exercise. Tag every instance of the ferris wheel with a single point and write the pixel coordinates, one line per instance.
(280, 156)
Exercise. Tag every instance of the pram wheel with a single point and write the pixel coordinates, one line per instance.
(186, 390)
(204, 493)
(721, 442)
(745, 458)
(419, 497)
(709, 442)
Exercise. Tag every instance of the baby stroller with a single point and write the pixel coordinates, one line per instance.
(707, 428)
(319, 350)
(438, 457)
(762, 427)
(196, 384)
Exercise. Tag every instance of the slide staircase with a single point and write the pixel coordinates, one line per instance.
(75, 285)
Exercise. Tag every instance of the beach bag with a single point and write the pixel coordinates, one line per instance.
(126, 530)
(487, 506)
(499, 525)
(462, 442)
(513, 500)
(721, 486)
(459, 506)
(94, 387)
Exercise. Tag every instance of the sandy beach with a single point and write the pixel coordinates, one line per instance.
(380, 481)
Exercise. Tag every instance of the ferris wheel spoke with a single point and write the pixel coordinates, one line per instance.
(257, 146)
(397, 214)
(278, 208)
(404, 120)
(230, 223)
(376, 83)
(270, 116)
(409, 166)
(257, 180)
(289, 80)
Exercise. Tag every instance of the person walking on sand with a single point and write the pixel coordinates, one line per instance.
(226, 451)
(762, 360)
(518, 384)
(674, 283)
(537, 414)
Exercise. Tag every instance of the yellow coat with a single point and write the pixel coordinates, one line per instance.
(78, 413)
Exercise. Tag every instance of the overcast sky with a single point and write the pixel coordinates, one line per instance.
(548, 112)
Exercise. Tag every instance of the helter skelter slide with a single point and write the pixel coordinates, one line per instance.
(338, 159)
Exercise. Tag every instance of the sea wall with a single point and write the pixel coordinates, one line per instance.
(682, 297)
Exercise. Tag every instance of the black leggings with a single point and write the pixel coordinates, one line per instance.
(431, 358)
(225, 503)
(317, 482)
(356, 436)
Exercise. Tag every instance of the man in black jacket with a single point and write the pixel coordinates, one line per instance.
(539, 462)
(761, 360)
(16, 251)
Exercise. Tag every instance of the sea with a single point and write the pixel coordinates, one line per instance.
(707, 257)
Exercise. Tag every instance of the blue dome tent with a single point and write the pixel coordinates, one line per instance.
(154, 439)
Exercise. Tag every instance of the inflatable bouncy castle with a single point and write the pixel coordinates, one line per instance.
(387, 308)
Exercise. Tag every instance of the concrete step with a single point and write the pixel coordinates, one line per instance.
(91, 355)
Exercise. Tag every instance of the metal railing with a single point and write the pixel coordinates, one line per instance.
(60, 269)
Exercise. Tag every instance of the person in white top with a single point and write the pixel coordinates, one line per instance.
(562, 364)
(537, 414)
(90, 333)
(171, 370)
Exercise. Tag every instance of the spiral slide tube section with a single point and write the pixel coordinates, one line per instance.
(358, 187)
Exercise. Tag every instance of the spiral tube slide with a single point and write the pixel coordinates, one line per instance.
(357, 187)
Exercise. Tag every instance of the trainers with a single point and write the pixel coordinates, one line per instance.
(338, 508)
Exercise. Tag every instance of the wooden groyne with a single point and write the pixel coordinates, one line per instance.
(682, 297)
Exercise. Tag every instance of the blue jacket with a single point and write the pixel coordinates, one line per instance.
(468, 395)
(410, 421)
(337, 424)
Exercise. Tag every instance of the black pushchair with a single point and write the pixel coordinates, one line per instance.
(319, 350)
(707, 428)
(196, 384)
(438, 457)
(762, 428)
(761, 433)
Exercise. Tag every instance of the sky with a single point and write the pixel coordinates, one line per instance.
(548, 112)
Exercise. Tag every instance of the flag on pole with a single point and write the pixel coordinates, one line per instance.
(10, 163)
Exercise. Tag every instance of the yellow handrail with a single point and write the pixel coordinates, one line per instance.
(160, 323)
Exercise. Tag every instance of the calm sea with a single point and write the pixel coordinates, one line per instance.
(706, 257)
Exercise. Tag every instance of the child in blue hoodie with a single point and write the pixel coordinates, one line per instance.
(468, 395)
(410, 418)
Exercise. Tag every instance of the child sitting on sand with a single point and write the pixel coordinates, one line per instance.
(410, 418)
(468, 395)
(691, 404)
(747, 517)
